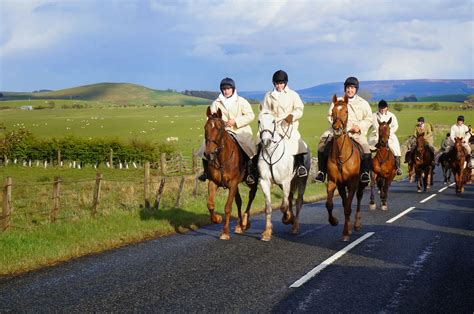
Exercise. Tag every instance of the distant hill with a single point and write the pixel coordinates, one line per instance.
(117, 93)
(388, 90)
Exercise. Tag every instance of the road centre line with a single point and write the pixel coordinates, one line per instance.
(406, 211)
(428, 198)
(329, 261)
(442, 189)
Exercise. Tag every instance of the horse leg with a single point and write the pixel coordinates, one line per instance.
(267, 233)
(238, 202)
(211, 192)
(299, 203)
(418, 181)
(373, 178)
(347, 214)
(228, 209)
(384, 194)
(246, 218)
(288, 216)
(329, 203)
(358, 215)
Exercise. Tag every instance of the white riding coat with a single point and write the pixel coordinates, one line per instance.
(360, 114)
(393, 142)
(461, 131)
(281, 104)
(241, 111)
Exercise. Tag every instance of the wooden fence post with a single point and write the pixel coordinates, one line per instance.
(163, 163)
(59, 157)
(159, 194)
(180, 191)
(194, 161)
(7, 203)
(111, 158)
(147, 184)
(196, 186)
(54, 213)
(98, 186)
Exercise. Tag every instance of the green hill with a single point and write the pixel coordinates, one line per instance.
(117, 93)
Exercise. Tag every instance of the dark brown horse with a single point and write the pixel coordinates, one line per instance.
(422, 160)
(383, 167)
(226, 168)
(457, 159)
(344, 169)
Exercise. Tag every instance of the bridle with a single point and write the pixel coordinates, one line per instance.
(382, 143)
(342, 131)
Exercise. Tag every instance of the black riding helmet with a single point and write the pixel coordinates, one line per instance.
(383, 104)
(461, 118)
(421, 119)
(351, 80)
(280, 76)
(228, 82)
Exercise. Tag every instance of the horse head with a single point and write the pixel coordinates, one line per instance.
(384, 133)
(458, 148)
(339, 115)
(213, 131)
(266, 127)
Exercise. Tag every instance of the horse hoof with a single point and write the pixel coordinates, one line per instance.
(333, 221)
(224, 236)
(238, 229)
(247, 226)
(419, 191)
(357, 228)
(345, 238)
(372, 206)
(266, 238)
(217, 219)
(384, 207)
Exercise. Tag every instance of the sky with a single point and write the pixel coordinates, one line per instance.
(184, 44)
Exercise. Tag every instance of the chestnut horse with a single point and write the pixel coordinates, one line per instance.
(457, 159)
(226, 168)
(422, 160)
(383, 166)
(344, 165)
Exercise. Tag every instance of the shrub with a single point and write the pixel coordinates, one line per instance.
(398, 107)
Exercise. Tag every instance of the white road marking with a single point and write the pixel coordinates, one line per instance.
(441, 190)
(329, 261)
(452, 184)
(428, 198)
(400, 215)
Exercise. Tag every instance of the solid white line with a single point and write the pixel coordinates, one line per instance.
(441, 190)
(428, 198)
(329, 261)
(400, 215)
(452, 184)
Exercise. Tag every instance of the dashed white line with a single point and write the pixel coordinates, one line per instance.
(452, 184)
(400, 215)
(441, 190)
(329, 261)
(428, 198)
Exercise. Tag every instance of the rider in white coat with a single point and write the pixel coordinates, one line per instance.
(461, 130)
(237, 115)
(286, 105)
(383, 115)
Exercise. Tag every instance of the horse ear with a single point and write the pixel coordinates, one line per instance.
(334, 99)
(219, 113)
(378, 121)
(208, 112)
(389, 121)
(346, 99)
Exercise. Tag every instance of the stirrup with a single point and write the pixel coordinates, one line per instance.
(320, 177)
(202, 177)
(364, 177)
(250, 179)
(302, 172)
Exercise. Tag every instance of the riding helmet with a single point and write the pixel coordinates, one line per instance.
(280, 76)
(228, 82)
(421, 119)
(383, 104)
(461, 118)
(351, 80)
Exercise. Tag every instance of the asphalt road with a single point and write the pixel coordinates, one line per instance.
(421, 262)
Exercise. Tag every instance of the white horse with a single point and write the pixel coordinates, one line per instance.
(276, 165)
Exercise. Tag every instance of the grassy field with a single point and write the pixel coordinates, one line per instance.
(33, 242)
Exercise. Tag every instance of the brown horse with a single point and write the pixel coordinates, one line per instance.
(457, 159)
(226, 168)
(422, 160)
(343, 167)
(383, 167)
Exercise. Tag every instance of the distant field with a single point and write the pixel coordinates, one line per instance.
(186, 123)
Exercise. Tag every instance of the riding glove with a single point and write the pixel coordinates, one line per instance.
(289, 119)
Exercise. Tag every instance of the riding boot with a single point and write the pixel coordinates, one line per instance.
(468, 161)
(366, 167)
(322, 167)
(397, 164)
(203, 176)
(250, 170)
(301, 170)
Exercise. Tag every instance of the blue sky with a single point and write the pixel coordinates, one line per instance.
(194, 44)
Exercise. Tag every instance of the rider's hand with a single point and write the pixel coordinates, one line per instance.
(355, 129)
(231, 123)
(289, 119)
